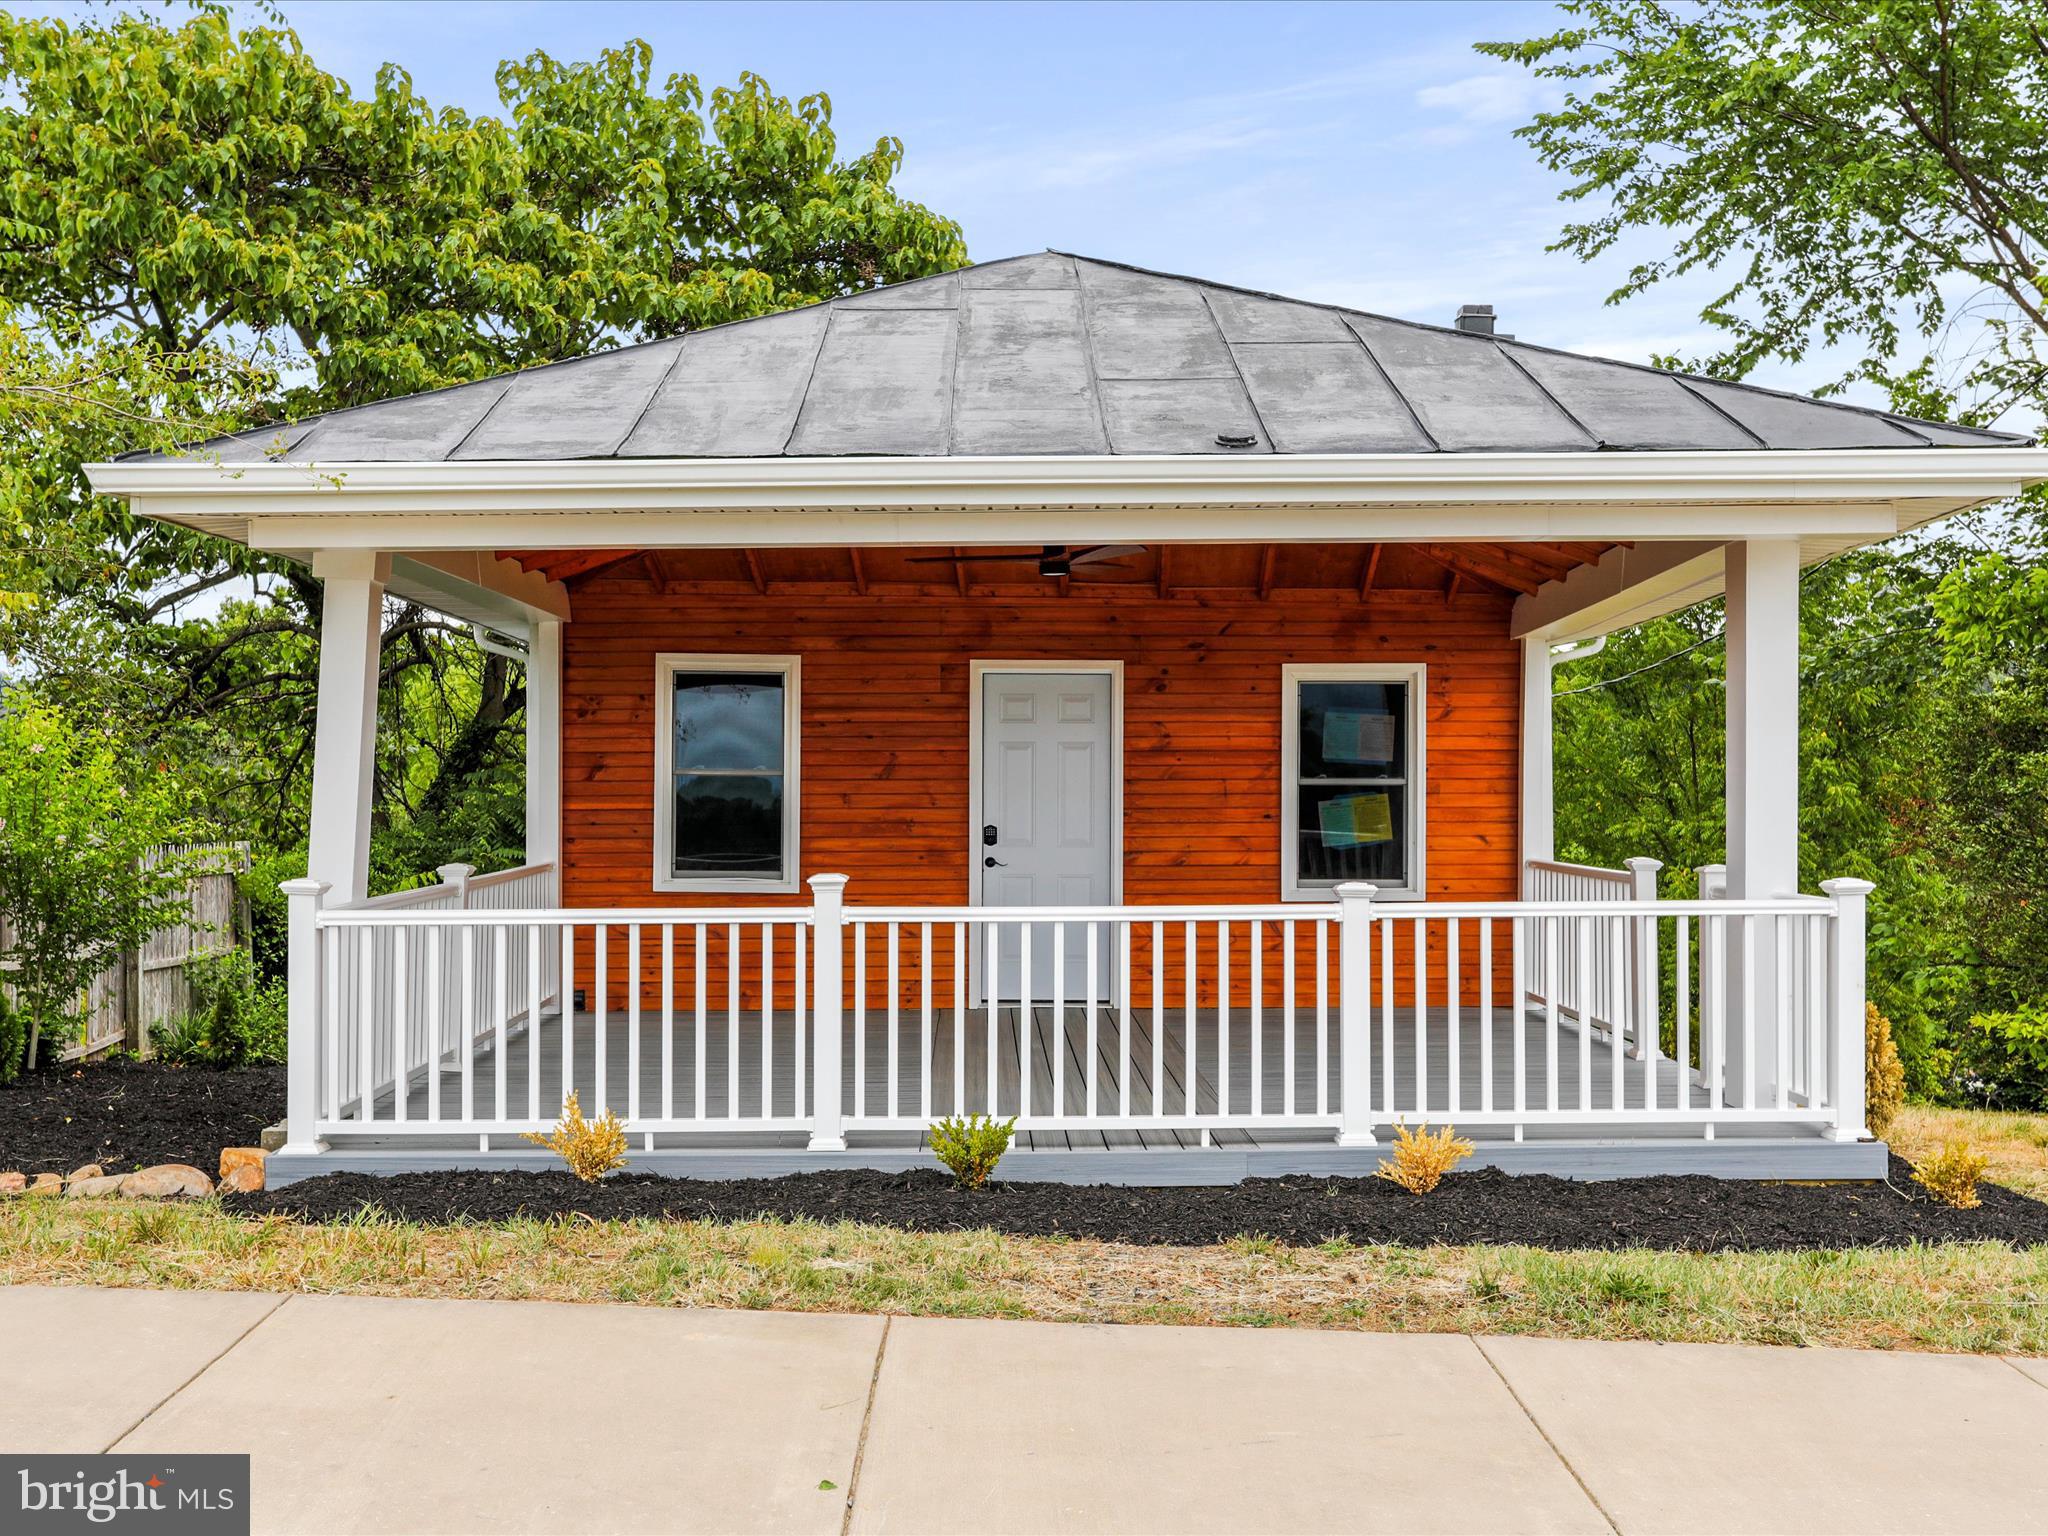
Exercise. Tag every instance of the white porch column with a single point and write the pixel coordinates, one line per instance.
(345, 730)
(1539, 790)
(1763, 770)
(544, 747)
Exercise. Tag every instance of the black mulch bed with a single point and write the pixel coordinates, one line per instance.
(130, 1114)
(1690, 1213)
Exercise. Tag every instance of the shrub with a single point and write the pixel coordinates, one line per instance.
(2002, 1058)
(82, 818)
(1884, 1076)
(1951, 1175)
(236, 1020)
(592, 1149)
(1422, 1158)
(971, 1146)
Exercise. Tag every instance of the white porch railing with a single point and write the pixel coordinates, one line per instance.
(1584, 989)
(468, 1010)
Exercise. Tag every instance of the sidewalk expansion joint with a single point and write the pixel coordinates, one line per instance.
(860, 1449)
(149, 1413)
(1537, 1425)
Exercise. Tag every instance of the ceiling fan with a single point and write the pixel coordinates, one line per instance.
(1054, 560)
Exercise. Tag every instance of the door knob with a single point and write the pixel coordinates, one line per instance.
(992, 862)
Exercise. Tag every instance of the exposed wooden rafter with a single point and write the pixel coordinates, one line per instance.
(1468, 562)
(860, 576)
(1266, 561)
(1451, 560)
(1372, 570)
(754, 570)
(1165, 577)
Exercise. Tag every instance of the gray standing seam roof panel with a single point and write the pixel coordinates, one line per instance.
(1021, 383)
(426, 426)
(1057, 354)
(560, 412)
(734, 392)
(1469, 397)
(1633, 406)
(883, 384)
(1318, 398)
(1785, 421)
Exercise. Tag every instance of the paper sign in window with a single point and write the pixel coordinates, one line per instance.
(1353, 736)
(1352, 821)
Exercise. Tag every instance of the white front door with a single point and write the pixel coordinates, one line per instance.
(1046, 838)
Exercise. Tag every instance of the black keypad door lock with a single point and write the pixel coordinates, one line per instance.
(988, 835)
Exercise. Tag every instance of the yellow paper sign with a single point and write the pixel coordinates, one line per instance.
(1356, 820)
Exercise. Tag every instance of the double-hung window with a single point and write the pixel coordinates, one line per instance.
(1351, 788)
(725, 773)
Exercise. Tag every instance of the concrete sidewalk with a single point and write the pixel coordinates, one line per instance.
(373, 1415)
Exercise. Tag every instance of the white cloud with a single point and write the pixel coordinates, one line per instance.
(1480, 100)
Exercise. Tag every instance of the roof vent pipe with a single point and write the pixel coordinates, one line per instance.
(1475, 319)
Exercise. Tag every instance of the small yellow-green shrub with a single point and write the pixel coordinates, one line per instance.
(1951, 1175)
(592, 1149)
(1422, 1158)
(971, 1146)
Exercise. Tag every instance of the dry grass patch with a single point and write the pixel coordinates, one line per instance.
(1970, 1297)
(2015, 1144)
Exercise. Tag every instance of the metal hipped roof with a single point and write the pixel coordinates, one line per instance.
(1061, 354)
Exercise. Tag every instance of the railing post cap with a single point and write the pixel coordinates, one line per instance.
(1357, 890)
(454, 874)
(1848, 885)
(1704, 869)
(305, 885)
(1640, 862)
(827, 882)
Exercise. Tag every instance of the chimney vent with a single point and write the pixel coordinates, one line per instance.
(1475, 319)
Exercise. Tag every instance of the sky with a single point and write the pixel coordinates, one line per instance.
(1356, 154)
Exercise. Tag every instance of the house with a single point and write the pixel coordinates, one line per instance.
(1102, 697)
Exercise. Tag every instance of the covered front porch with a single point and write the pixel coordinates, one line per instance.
(1589, 1036)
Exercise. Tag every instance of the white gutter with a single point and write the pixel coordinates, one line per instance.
(195, 486)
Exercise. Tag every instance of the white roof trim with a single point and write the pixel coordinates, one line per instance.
(586, 485)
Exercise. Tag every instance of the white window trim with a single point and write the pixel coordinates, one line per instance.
(1416, 676)
(666, 665)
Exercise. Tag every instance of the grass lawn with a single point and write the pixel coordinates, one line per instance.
(1955, 1296)
(2016, 1144)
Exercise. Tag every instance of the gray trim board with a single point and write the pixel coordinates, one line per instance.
(1757, 1157)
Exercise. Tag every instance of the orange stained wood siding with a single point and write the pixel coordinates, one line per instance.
(885, 715)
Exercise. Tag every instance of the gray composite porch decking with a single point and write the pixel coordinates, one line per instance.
(1163, 1155)
(733, 1078)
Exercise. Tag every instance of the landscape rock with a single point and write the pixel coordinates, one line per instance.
(232, 1158)
(242, 1179)
(165, 1179)
(89, 1171)
(272, 1137)
(47, 1184)
(13, 1182)
(103, 1187)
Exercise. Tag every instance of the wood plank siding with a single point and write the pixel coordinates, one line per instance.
(885, 720)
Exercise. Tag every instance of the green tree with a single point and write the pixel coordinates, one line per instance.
(1871, 179)
(81, 874)
(1854, 173)
(201, 229)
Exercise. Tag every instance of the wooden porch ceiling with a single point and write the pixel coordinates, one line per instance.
(1164, 570)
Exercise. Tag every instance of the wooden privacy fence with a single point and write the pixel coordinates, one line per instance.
(149, 985)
